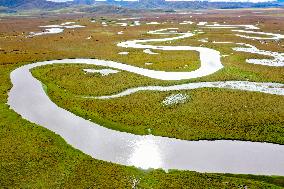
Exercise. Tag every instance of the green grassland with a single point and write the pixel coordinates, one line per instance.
(207, 114)
(34, 157)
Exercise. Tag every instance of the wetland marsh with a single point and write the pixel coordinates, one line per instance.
(246, 111)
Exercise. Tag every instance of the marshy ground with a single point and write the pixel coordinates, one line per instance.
(36, 157)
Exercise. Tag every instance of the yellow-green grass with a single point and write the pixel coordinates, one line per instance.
(208, 113)
(102, 45)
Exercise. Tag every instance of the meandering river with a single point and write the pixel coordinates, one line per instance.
(28, 99)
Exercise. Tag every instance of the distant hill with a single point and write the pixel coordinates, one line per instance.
(142, 4)
(196, 4)
(106, 9)
(162, 4)
(32, 4)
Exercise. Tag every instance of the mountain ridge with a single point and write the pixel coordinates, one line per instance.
(142, 4)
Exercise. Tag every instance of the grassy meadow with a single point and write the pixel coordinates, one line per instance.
(209, 113)
(34, 157)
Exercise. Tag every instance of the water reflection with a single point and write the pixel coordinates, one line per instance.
(146, 154)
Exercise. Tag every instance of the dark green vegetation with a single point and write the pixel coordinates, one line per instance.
(34, 157)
